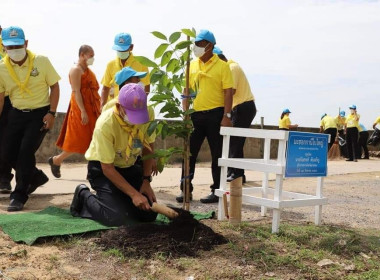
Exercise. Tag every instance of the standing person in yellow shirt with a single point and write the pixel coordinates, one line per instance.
(377, 121)
(211, 79)
(284, 122)
(328, 126)
(243, 111)
(123, 47)
(6, 175)
(352, 134)
(27, 78)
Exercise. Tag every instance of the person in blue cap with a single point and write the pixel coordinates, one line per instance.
(351, 128)
(123, 47)
(363, 139)
(284, 122)
(211, 80)
(328, 126)
(32, 84)
(340, 121)
(243, 112)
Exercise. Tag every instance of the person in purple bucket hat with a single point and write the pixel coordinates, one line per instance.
(123, 190)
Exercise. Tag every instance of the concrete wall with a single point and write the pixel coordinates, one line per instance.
(252, 149)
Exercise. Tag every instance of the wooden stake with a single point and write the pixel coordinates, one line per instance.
(236, 190)
(225, 205)
(164, 210)
(186, 187)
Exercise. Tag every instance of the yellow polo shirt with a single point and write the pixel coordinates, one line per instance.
(241, 85)
(109, 141)
(284, 122)
(43, 76)
(377, 120)
(328, 122)
(209, 80)
(340, 121)
(115, 66)
(351, 120)
(2, 51)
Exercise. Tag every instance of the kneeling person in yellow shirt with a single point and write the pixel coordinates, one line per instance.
(123, 190)
(328, 126)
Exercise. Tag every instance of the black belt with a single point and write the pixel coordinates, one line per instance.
(46, 108)
(210, 111)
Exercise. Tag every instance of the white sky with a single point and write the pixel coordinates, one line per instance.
(309, 56)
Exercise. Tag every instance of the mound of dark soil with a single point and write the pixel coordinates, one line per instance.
(183, 236)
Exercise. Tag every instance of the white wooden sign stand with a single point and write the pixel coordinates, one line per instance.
(264, 196)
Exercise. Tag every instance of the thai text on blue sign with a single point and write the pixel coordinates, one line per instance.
(306, 154)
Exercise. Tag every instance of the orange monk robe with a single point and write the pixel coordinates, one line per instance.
(74, 136)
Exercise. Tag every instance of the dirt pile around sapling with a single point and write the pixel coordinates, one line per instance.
(183, 236)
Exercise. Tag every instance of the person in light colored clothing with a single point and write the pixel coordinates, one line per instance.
(351, 128)
(284, 122)
(328, 126)
(363, 139)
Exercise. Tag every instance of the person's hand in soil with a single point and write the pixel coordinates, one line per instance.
(147, 190)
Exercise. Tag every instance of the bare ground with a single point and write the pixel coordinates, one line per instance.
(353, 203)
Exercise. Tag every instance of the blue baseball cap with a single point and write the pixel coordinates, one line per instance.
(353, 107)
(126, 73)
(205, 35)
(323, 115)
(342, 113)
(13, 36)
(122, 42)
(217, 50)
(286, 111)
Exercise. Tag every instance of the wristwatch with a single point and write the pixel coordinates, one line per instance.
(52, 113)
(228, 115)
(149, 178)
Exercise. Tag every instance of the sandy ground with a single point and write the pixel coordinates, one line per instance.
(353, 192)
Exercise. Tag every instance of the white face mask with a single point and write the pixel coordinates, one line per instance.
(126, 120)
(199, 51)
(90, 61)
(123, 55)
(17, 54)
(141, 84)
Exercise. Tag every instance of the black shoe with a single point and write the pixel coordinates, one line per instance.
(211, 198)
(38, 180)
(181, 196)
(55, 169)
(5, 187)
(232, 177)
(365, 158)
(349, 160)
(76, 204)
(15, 205)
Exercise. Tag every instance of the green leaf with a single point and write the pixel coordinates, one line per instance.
(159, 35)
(188, 32)
(173, 63)
(160, 50)
(145, 61)
(166, 57)
(174, 37)
(152, 127)
(178, 87)
(183, 44)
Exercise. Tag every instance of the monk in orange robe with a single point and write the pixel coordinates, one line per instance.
(83, 111)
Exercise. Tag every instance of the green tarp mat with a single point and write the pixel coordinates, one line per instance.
(53, 221)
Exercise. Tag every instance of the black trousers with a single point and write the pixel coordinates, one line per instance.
(332, 132)
(6, 175)
(110, 206)
(352, 137)
(242, 116)
(24, 135)
(206, 125)
(363, 138)
(343, 149)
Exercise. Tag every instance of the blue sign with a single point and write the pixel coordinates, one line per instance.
(306, 154)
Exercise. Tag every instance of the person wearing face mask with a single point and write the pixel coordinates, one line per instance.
(32, 84)
(84, 110)
(123, 47)
(351, 128)
(123, 190)
(243, 112)
(211, 80)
